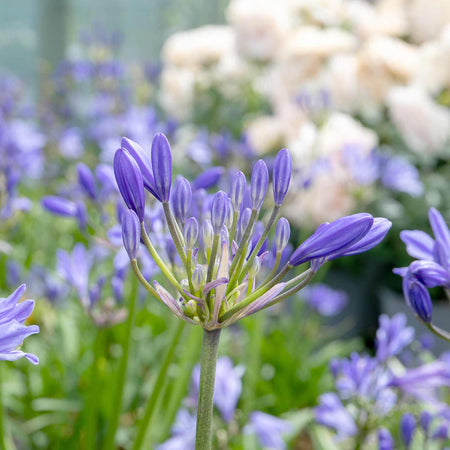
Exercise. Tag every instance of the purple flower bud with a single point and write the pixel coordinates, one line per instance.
(162, 166)
(190, 232)
(259, 183)
(407, 428)
(87, 180)
(418, 298)
(385, 440)
(229, 215)
(59, 206)
(208, 178)
(282, 234)
(131, 233)
(282, 171)
(334, 237)
(181, 198)
(375, 235)
(82, 216)
(441, 433)
(430, 274)
(245, 219)
(219, 209)
(144, 162)
(130, 182)
(238, 186)
(425, 420)
(198, 278)
(207, 233)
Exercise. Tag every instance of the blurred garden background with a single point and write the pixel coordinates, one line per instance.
(357, 90)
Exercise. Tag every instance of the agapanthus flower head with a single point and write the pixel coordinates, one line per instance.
(12, 329)
(216, 266)
(392, 336)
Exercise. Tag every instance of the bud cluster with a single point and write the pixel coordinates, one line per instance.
(219, 244)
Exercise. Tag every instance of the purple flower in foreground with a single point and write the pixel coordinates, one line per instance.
(162, 166)
(131, 233)
(12, 329)
(269, 430)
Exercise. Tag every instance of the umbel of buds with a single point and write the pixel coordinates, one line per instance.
(222, 246)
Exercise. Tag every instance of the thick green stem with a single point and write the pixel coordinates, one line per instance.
(206, 389)
(157, 386)
(116, 404)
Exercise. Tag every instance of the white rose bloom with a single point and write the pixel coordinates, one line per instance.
(427, 18)
(260, 27)
(424, 125)
(177, 91)
(320, 12)
(302, 144)
(433, 73)
(384, 62)
(386, 17)
(204, 45)
(342, 130)
(265, 133)
(327, 199)
(341, 80)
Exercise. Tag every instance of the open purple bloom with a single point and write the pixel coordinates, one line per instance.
(392, 336)
(332, 414)
(269, 430)
(12, 329)
(325, 300)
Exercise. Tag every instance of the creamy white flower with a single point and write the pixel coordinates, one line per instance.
(342, 130)
(424, 125)
(433, 73)
(427, 18)
(177, 91)
(200, 46)
(383, 63)
(385, 17)
(260, 27)
(266, 133)
(342, 81)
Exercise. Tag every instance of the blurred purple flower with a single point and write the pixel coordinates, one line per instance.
(269, 430)
(325, 300)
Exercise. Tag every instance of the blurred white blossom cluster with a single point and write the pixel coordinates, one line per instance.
(332, 71)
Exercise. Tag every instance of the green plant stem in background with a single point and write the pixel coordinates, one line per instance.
(94, 393)
(208, 364)
(116, 403)
(158, 386)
